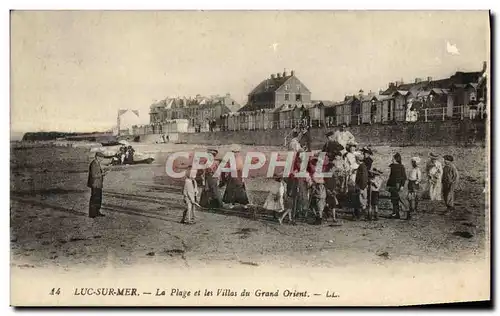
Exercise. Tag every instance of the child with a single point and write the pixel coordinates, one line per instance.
(450, 180)
(375, 184)
(395, 184)
(414, 179)
(318, 198)
(275, 201)
(190, 194)
(361, 188)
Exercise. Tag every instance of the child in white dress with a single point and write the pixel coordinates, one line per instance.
(275, 201)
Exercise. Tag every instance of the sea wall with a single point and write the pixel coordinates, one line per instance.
(405, 134)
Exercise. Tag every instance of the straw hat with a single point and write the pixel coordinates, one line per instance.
(433, 155)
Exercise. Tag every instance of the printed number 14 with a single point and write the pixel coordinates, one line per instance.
(55, 291)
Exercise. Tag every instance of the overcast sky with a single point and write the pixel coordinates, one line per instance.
(72, 71)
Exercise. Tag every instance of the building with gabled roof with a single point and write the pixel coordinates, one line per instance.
(200, 111)
(278, 90)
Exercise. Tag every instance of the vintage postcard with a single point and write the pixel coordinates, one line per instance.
(249, 158)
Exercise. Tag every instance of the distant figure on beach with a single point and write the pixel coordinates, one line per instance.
(95, 183)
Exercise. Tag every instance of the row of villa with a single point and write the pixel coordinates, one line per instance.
(282, 101)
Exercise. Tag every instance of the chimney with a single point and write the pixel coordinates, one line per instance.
(284, 73)
(273, 76)
(371, 94)
(429, 79)
(484, 66)
(292, 73)
(417, 80)
(278, 75)
(391, 85)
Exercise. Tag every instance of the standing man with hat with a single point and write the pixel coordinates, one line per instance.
(95, 183)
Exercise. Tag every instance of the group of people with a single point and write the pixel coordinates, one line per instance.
(202, 189)
(124, 156)
(354, 183)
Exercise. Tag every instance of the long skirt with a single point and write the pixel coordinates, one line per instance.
(435, 191)
(235, 192)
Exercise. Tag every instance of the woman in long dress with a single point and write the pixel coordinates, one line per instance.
(235, 192)
(434, 175)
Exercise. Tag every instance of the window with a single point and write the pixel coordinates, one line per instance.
(232, 103)
(298, 87)
(287, 87)
(287, 97)
(298, 97)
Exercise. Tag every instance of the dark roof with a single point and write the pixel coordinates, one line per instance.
(270, 85)
(326, 103)
(254, 107)
(446, 83)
